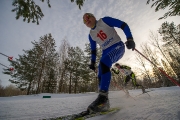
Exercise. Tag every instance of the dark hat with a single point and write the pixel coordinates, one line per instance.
(117, 64)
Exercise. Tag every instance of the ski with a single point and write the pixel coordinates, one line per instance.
(84, 115)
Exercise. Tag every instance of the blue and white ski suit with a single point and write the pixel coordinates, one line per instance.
(112, 47)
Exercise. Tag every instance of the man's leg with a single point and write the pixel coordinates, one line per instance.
(137, 85)
(104, 76)
(126, 80)
(99, 75)
(109, 56)
(132, 75)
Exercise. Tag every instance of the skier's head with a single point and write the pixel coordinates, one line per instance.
(117, 65)
(89, 20)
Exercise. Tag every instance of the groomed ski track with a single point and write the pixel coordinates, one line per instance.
(163, 104)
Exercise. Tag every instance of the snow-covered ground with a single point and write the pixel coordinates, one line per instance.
(163, 104)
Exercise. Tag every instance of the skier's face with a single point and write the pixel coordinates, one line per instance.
(89, 20)
(118, 66)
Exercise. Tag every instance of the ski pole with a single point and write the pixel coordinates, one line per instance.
(10, 58)
(174, 81)
(11, 69)
(114, 83)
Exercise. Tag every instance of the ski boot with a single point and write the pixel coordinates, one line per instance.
(100, 104)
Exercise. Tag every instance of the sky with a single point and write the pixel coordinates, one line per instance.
(136, 107)
(64, 21)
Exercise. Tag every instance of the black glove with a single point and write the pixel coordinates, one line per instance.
(113, 70)
(130, 44)
(92, 66)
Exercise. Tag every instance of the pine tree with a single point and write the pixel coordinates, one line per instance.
(173, 5)
(34, 65)
(175, 65)
(170, 33)
(62, 68)
(47, 58)
(166, 81)
(30, 11)
(74, 64)
(25, 70)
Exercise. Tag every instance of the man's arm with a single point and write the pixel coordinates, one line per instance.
(125, 67)
(115, 71)
(93, 49)
(112, 22)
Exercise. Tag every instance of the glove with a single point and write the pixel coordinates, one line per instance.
(130, 44)
(92, 66)
(113, 70)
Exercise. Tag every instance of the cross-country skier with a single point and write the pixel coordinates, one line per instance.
(129, 75)
(102, 31)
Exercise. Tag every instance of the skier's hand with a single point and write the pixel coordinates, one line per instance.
(130, 44)
(113, 69)
(92, 66)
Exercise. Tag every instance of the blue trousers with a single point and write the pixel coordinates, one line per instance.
(109, 56)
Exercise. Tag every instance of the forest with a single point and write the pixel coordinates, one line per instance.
(43, 69)
(47, 68)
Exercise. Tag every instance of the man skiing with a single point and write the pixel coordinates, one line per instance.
(102, 32)
(129, 74)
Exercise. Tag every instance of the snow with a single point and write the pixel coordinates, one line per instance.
(163, 104)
